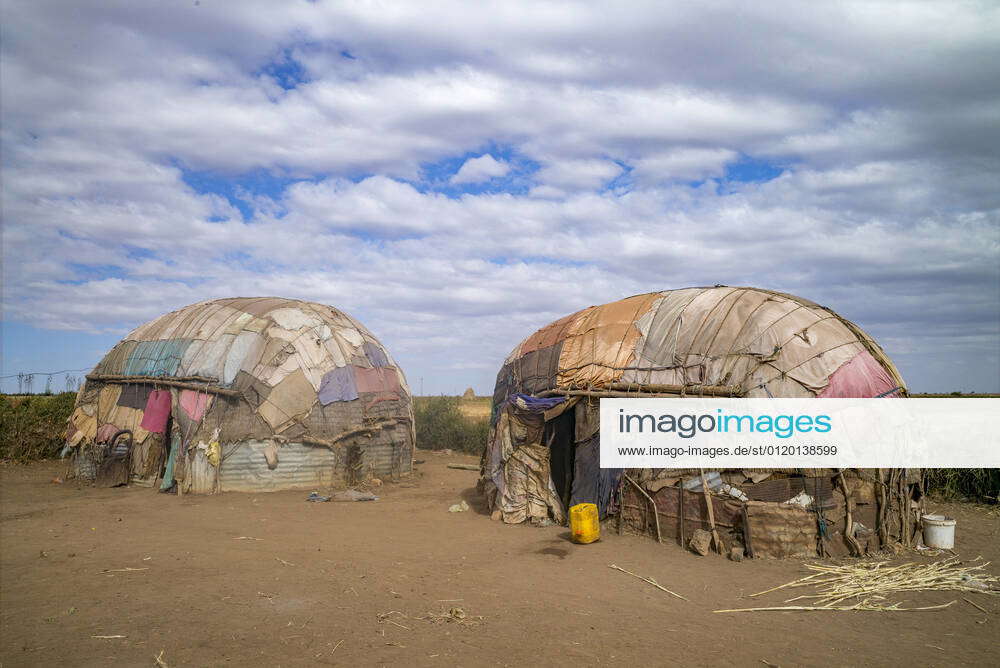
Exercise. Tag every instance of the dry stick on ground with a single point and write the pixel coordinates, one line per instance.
(386, 617)
(464, 467)
(121, 570)
(976, 605)
(159, 659)
(793, 583)
(648, 581)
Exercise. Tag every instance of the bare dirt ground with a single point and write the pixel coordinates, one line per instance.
(269, 579)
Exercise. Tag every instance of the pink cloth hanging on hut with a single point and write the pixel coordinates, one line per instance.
(106, 432)
(194, 403)
(862, 376)
(154, 418)
(379, 379)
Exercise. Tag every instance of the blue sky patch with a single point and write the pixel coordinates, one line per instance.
(63, 350)
(93, 272)
(752, 170)
(285, 70)
(238, 190)
(621, 183)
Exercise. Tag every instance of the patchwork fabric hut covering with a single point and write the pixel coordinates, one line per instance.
(543, 449)
(248, 394)
(752, 342)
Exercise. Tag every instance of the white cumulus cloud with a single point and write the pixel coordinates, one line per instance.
(477, 170)
(160, 156)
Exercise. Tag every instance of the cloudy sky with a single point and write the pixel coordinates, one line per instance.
(457, 175)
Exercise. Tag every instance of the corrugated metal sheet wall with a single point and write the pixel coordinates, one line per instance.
(244, 466)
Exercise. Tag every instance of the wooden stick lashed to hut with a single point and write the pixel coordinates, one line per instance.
(631, 390)
(376, 426)
(656, 515)
(184, 383)
(711, 512)
(852, 542)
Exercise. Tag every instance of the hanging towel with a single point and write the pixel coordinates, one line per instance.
(157, 411)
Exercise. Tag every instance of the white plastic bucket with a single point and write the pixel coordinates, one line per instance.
(939, 531)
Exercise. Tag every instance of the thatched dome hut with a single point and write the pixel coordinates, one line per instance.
(245, 394)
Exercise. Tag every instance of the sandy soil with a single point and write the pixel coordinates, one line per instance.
(357, 583)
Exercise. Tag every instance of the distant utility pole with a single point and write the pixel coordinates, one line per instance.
(421, 386)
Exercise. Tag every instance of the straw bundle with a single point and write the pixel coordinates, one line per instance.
(878, 580)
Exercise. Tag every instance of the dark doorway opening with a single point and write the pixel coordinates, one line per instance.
(559, 435)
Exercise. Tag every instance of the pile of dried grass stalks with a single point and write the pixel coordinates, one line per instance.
(869, 584)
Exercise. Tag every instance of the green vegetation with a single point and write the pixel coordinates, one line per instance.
(442, 423)
(982, 485)
(33, 426)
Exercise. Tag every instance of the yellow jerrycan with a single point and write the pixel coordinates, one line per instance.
(584, 523)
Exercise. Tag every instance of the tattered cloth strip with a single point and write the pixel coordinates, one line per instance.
(591, 483)
(290, 398)
(519, 462)
(527, 490)
(526, 402)
(375, 354)
(85, 426)
(107, 400)
(194, 403)
(168, 474)
(134, 395)
(106, 432)
(73, 435)
(338, 385)
(157, 411)
(601, 342)
(376, 380)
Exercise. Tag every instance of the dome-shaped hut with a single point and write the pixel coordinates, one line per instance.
(543, 451)
(244, 394)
